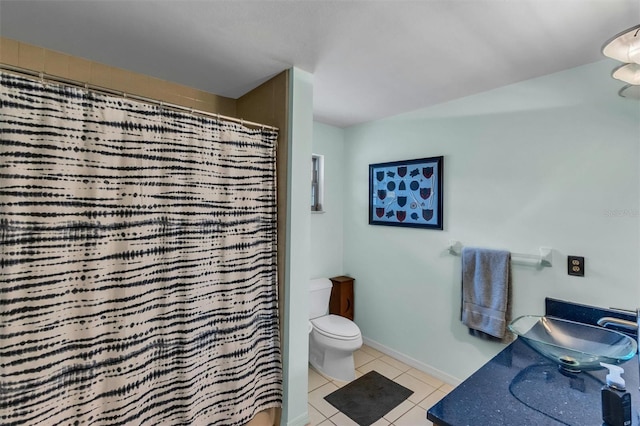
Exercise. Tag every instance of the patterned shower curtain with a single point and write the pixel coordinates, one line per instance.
(138, 263)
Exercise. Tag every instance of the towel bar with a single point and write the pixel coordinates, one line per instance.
(542, 259)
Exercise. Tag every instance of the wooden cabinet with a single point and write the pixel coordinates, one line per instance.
(341, 302)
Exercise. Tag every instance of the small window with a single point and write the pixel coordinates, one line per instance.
(317, 182)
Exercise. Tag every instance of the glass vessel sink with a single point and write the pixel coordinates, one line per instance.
(572, 345)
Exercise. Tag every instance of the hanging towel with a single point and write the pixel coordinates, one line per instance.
(485, 291)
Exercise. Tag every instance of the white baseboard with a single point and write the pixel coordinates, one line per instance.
(454, 381)
(301, 420)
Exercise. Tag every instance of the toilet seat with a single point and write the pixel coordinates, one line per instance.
(336, 327)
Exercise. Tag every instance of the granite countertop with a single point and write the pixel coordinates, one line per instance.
(521, 387)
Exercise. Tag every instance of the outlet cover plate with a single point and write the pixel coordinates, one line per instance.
(575, 266)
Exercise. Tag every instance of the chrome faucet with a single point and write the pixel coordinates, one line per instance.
(629, 325)
(618, 322)
(607, 321)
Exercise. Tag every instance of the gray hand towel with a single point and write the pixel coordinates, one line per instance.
(485, 290)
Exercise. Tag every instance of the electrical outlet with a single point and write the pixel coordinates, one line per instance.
(575, 265)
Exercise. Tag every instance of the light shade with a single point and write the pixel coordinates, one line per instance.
(625, 47)
(629, 73)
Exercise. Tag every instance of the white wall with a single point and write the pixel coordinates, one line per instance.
(547, 162)
(326, 227)
(297, 256)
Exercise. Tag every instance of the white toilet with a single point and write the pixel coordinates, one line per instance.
(333, 338)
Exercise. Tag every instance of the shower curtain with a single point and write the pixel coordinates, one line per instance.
(138, 262)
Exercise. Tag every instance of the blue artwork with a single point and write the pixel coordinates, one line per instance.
(406, 193)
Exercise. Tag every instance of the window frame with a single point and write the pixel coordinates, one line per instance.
(317, 183)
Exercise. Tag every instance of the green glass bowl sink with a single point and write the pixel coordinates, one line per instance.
(572, 345)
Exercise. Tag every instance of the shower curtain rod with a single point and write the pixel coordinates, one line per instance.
(99, 89)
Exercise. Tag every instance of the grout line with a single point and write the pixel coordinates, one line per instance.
(377, 356)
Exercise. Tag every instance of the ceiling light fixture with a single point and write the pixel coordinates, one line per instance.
(629, 73)
(625, 47)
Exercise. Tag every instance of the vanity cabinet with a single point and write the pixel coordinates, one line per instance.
(341, 301)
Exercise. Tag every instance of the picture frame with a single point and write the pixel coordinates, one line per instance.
(407, 193)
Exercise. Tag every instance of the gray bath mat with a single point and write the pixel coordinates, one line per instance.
(368, 398)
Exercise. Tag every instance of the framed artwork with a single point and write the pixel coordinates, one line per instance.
(406, 193)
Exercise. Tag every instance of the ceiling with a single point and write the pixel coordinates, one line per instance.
(369, 59)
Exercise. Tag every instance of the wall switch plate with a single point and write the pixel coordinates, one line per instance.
(575, 265)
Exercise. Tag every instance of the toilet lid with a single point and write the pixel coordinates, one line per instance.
(336, 326)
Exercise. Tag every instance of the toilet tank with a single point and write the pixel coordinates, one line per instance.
(319, 294)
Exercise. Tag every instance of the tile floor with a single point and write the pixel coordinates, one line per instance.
(427, 390)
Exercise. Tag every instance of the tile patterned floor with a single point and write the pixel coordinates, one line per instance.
(427, 390)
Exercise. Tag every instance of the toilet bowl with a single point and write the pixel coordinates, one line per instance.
(333, 338)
